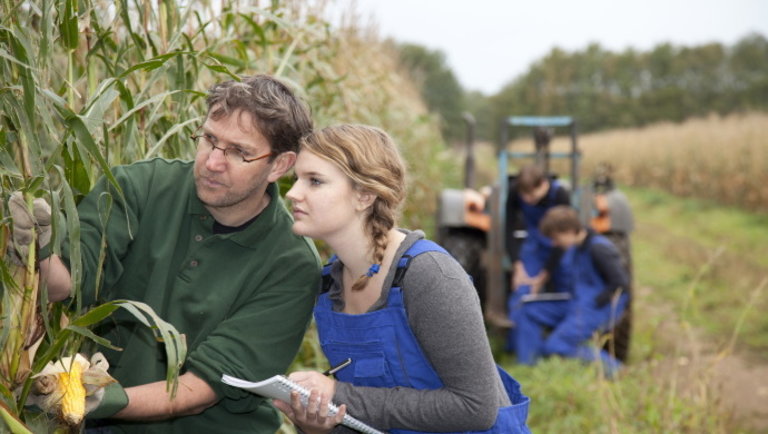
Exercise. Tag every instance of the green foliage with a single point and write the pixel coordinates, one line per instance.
(86, 85)
(91, 84)
(439, 86)
(675, 242)
(567, 396)
(605, 89)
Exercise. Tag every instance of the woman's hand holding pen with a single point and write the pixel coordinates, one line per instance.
(314, 418)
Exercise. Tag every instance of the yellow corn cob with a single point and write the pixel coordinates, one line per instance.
(73, 398)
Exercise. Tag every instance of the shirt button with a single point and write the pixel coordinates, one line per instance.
(203, 217)
(193, 263)
(198, 237)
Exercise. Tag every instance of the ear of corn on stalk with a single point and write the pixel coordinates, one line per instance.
(70, 386)
(73, 394)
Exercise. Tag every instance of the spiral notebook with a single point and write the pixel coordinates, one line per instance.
(280, 387)
(546, 296)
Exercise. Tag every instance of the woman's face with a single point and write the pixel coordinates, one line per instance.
(323, 200)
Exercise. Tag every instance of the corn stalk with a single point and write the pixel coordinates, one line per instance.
(89, 84)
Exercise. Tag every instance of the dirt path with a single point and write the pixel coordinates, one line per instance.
(737, 381)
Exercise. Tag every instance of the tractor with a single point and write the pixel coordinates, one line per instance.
(473, 226)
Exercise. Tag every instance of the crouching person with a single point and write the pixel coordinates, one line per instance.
(598, 299)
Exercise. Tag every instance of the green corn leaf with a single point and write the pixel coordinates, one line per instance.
(136, 312)
(92, 336)
(75, 170)
(140, 106)
(94, 116)
(25, 71)
(84, 138)
(34, 183)
(95, 315)
(228, 60)
(12, 422)
(222, 69)
(175, 342)
(171, 132)
(154, 62)
(68, 25)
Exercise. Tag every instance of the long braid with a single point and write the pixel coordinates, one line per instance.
(380, 221)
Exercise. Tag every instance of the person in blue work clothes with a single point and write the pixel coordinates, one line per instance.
(599, 296)
(539, 264)
(399, 306)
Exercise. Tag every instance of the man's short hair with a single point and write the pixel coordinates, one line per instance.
(530, 178)
(558, 220)
(277, 112)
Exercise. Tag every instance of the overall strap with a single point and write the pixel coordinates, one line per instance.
(417, 248)
(327, 280)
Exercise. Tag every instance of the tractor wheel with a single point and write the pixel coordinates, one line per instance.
(622, 331)
(467, 248)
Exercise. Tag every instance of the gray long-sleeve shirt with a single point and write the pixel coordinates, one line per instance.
(444, 313)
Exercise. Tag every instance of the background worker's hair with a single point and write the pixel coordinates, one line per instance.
(530, 178)
(560, 219)
(372, 162)
(277, 112)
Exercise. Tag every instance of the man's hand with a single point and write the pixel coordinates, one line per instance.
(24, 223)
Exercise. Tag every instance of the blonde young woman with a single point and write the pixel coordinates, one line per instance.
(398, 305)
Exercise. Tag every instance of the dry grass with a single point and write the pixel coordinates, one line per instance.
(376, 92)
(723, 159)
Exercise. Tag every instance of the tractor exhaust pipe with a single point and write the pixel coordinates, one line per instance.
(469, 163)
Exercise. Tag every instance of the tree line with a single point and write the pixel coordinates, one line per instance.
(605, 89)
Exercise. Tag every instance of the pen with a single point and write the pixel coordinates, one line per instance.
(338, 367)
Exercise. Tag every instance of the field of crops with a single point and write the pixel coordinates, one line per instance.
(716, 158)
(71, 108)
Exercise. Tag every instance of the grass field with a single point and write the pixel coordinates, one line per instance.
(689, 300)
(718, 253)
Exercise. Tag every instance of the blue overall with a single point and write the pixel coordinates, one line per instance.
(536, 249)
(534, 254)
(385, 352)
(573, 321)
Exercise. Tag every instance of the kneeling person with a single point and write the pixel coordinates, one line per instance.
(598, 299)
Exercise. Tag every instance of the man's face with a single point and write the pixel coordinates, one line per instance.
(533, 197)
(226, 182)
(566, 239)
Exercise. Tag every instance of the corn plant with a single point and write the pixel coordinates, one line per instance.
(89, 84)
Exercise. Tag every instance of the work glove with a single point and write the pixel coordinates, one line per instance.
(25, 222)
(604, 298)
(71, 389)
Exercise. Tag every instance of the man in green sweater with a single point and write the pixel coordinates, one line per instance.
(208, 245)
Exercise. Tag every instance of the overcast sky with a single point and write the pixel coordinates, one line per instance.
(490, 42)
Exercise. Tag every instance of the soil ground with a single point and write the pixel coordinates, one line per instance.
(738, 379)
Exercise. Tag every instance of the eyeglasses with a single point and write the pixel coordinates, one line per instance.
(233, 154)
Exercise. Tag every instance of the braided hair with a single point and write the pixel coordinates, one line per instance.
(370, 159)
